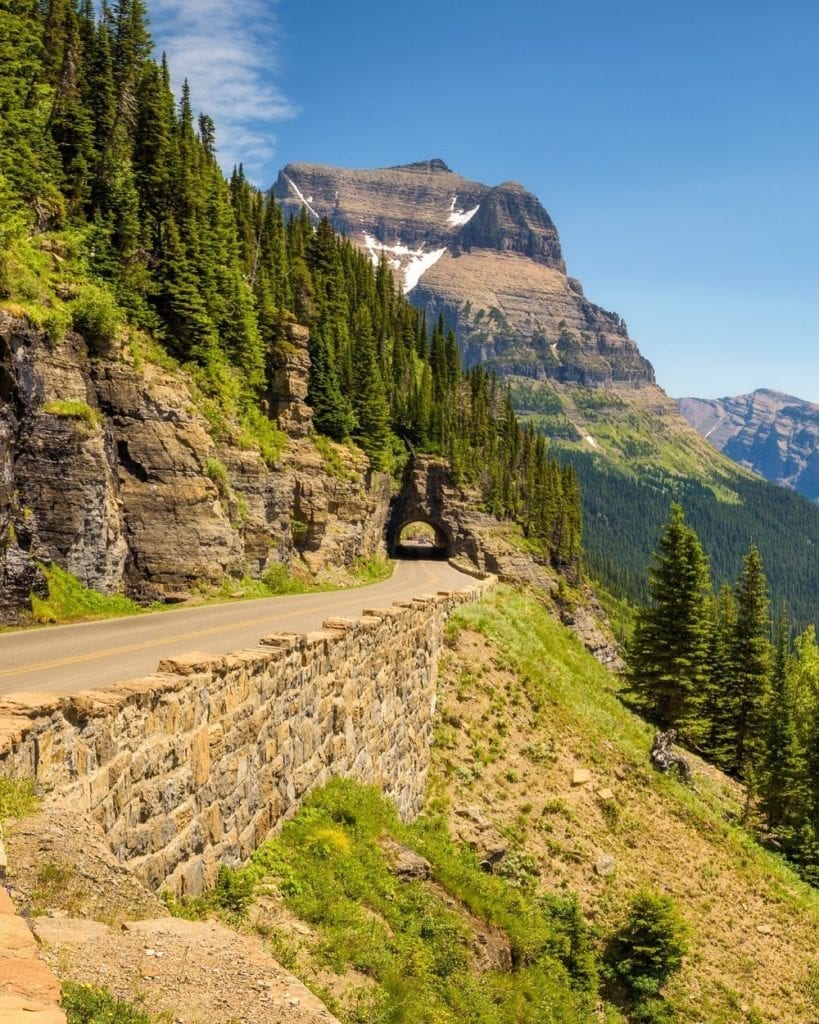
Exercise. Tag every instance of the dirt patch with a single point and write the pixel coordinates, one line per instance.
(194, 972)
(100, 925)
(60, 865)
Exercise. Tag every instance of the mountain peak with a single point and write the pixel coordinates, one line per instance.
(434, 166)
(486, 257)
(776, 435)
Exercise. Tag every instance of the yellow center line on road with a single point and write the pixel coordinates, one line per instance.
(132, 648)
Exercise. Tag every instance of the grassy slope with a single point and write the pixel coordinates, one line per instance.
(522, 706)
(639, 429)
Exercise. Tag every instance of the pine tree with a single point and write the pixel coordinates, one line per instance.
(190, 330)
(332, 412)
(720, 709)
(28, 157)
(751, 664)
(372, 430)
(784, 788)
(668, 659)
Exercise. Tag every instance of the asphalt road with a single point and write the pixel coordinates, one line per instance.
(65, 659)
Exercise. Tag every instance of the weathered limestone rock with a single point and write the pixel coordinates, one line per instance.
(406, 864)
(604, 865)
(289, 366)
(128, 489)
(58, 487)
(475, 829)
(29, 991)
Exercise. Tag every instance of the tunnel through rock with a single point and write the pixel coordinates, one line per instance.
(421, 539)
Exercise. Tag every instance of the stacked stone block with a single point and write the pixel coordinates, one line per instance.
(194, 766)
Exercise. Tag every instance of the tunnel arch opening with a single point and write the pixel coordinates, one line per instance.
(421, 538)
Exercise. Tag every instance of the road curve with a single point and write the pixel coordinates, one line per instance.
(66, 659)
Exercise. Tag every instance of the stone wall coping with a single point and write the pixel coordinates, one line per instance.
(44, 703)
(340, 623)
(195, 764)
(195, 663)
(18, 711)
(280, 641)
(384, 613)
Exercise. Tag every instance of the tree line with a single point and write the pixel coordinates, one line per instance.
(94, 144)
(737, 687)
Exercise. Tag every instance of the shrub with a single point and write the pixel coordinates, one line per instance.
(96, 316)
(70, 600)
(649, 946)
(216, 471)
(18, 798)
(56, 323)
(277, 579)
(86, 1004)
(234, 890)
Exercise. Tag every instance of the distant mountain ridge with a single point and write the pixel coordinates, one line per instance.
(487, 257)
(774, 434)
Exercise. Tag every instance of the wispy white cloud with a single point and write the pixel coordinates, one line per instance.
(228, 51)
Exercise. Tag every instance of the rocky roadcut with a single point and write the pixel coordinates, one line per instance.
(131, 492)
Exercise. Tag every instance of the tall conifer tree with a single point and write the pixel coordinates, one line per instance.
(751, 664)
(668, 660)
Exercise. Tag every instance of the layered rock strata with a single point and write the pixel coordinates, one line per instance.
(488, 258)
(112, 471)
(773, 434)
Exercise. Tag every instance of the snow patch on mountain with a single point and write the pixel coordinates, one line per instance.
(457, 218)
(413, 262)
(305, 202)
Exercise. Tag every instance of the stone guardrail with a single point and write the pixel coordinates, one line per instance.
(195, 765)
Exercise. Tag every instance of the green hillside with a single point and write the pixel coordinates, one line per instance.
(539, 766)
(634, 454)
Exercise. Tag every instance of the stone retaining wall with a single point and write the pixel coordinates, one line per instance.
(195, 765)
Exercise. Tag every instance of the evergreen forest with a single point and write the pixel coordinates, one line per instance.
(740, 688)
(623, 515)
(103, 168)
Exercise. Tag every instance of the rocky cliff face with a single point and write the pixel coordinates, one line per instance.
(110, 471)
(488, 258)
(774, 434)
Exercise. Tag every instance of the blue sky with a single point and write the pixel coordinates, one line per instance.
(675, 146)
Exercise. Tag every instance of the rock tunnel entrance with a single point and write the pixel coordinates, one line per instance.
(421, 522)
(420, 538)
